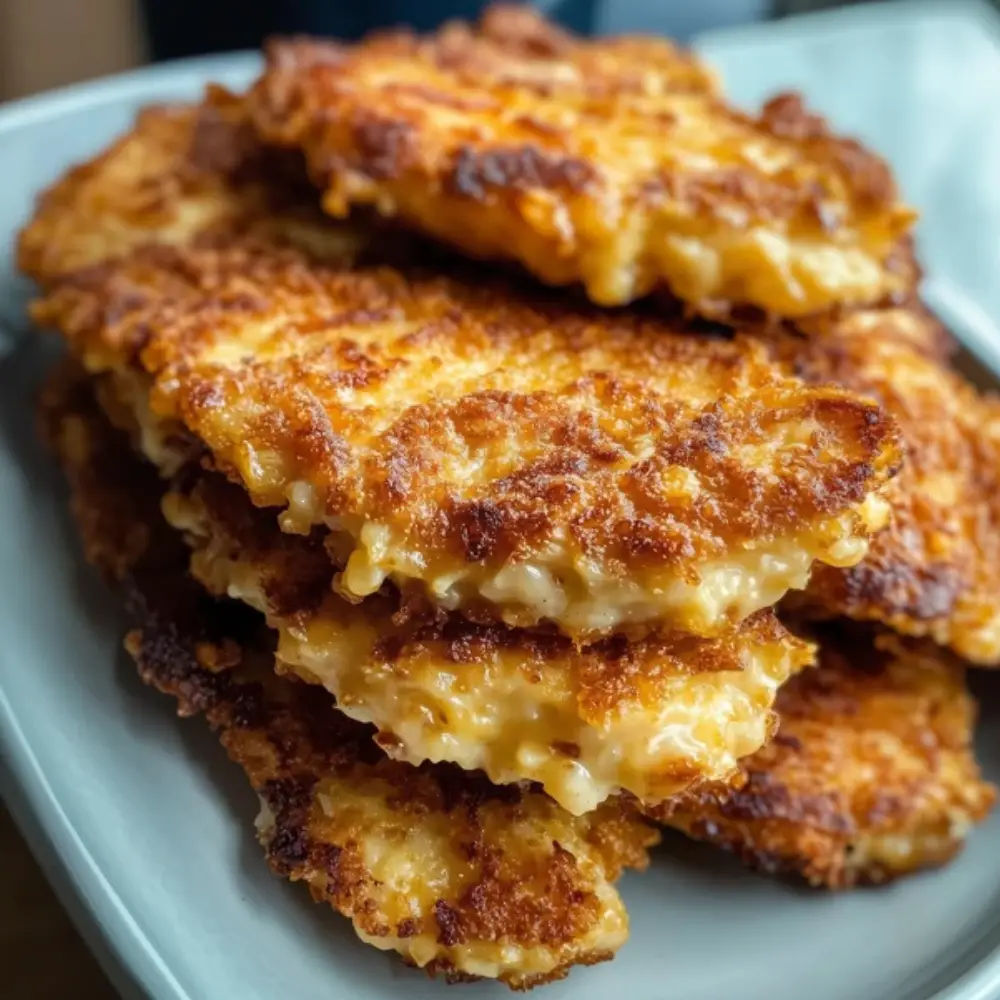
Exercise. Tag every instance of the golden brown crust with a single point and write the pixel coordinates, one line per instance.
(190, 176)
(612, 162)
(521, 704)
(458, 875)
(182, 175)
(871, 775)
(652, 716)
(935, 571)
(291, 742)
(480, 424)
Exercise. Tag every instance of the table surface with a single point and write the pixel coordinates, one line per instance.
(42, 956)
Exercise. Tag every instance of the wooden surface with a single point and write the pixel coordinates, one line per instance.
(41, 955)
(94, 37)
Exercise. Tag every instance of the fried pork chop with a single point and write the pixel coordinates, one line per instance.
(507, 469)
(652, 716)
(513, 456)
(458, 876)
(871, 776)
(935, 571)
(931, 573)
(611, 162)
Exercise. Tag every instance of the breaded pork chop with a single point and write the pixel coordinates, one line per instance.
(650, 716)
(611, 162)
(871, 776)
(182, 175)
(931, 573)
(513, 455)
(195, 175)
(460, 877)
(935, 571)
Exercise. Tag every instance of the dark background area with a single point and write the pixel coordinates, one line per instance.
(177, 29)
(49, 43)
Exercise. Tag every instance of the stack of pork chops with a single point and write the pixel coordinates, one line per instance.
(510, 448)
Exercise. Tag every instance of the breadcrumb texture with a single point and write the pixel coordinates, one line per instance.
(935, 571)
(611, 162)
(182, 175)
(513, 455)
(871, 776)
(196, 177)
(651, 716)
(461, 877)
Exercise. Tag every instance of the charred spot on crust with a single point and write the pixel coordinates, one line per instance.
(290, 801)
(477, 175)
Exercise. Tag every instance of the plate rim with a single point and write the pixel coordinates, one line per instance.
(81, 887)
(881, 15)
(123, 950)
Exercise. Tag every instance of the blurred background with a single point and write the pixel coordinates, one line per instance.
(48, 43)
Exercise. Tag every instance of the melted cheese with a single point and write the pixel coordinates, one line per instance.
(513, 715)
(514, 721)
(584, 600)
(557, 583)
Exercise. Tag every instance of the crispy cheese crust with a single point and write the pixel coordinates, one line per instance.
(515, 456)
(935, 571)
(612, 162)
(651, 716)
(871, 776)
(461, 877)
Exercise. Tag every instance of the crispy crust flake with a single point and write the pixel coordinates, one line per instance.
(183, 175)
(935, 571)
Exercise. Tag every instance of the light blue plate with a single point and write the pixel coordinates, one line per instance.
(146, 829)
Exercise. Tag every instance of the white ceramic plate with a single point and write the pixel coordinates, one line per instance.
(146, 829)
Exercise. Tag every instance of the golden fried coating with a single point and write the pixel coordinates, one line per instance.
(512, 455)
(935, 571)
(650, 716)
(611, 162)
(460, 877)
(195, 176)
(871, 775)
(183, 175)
